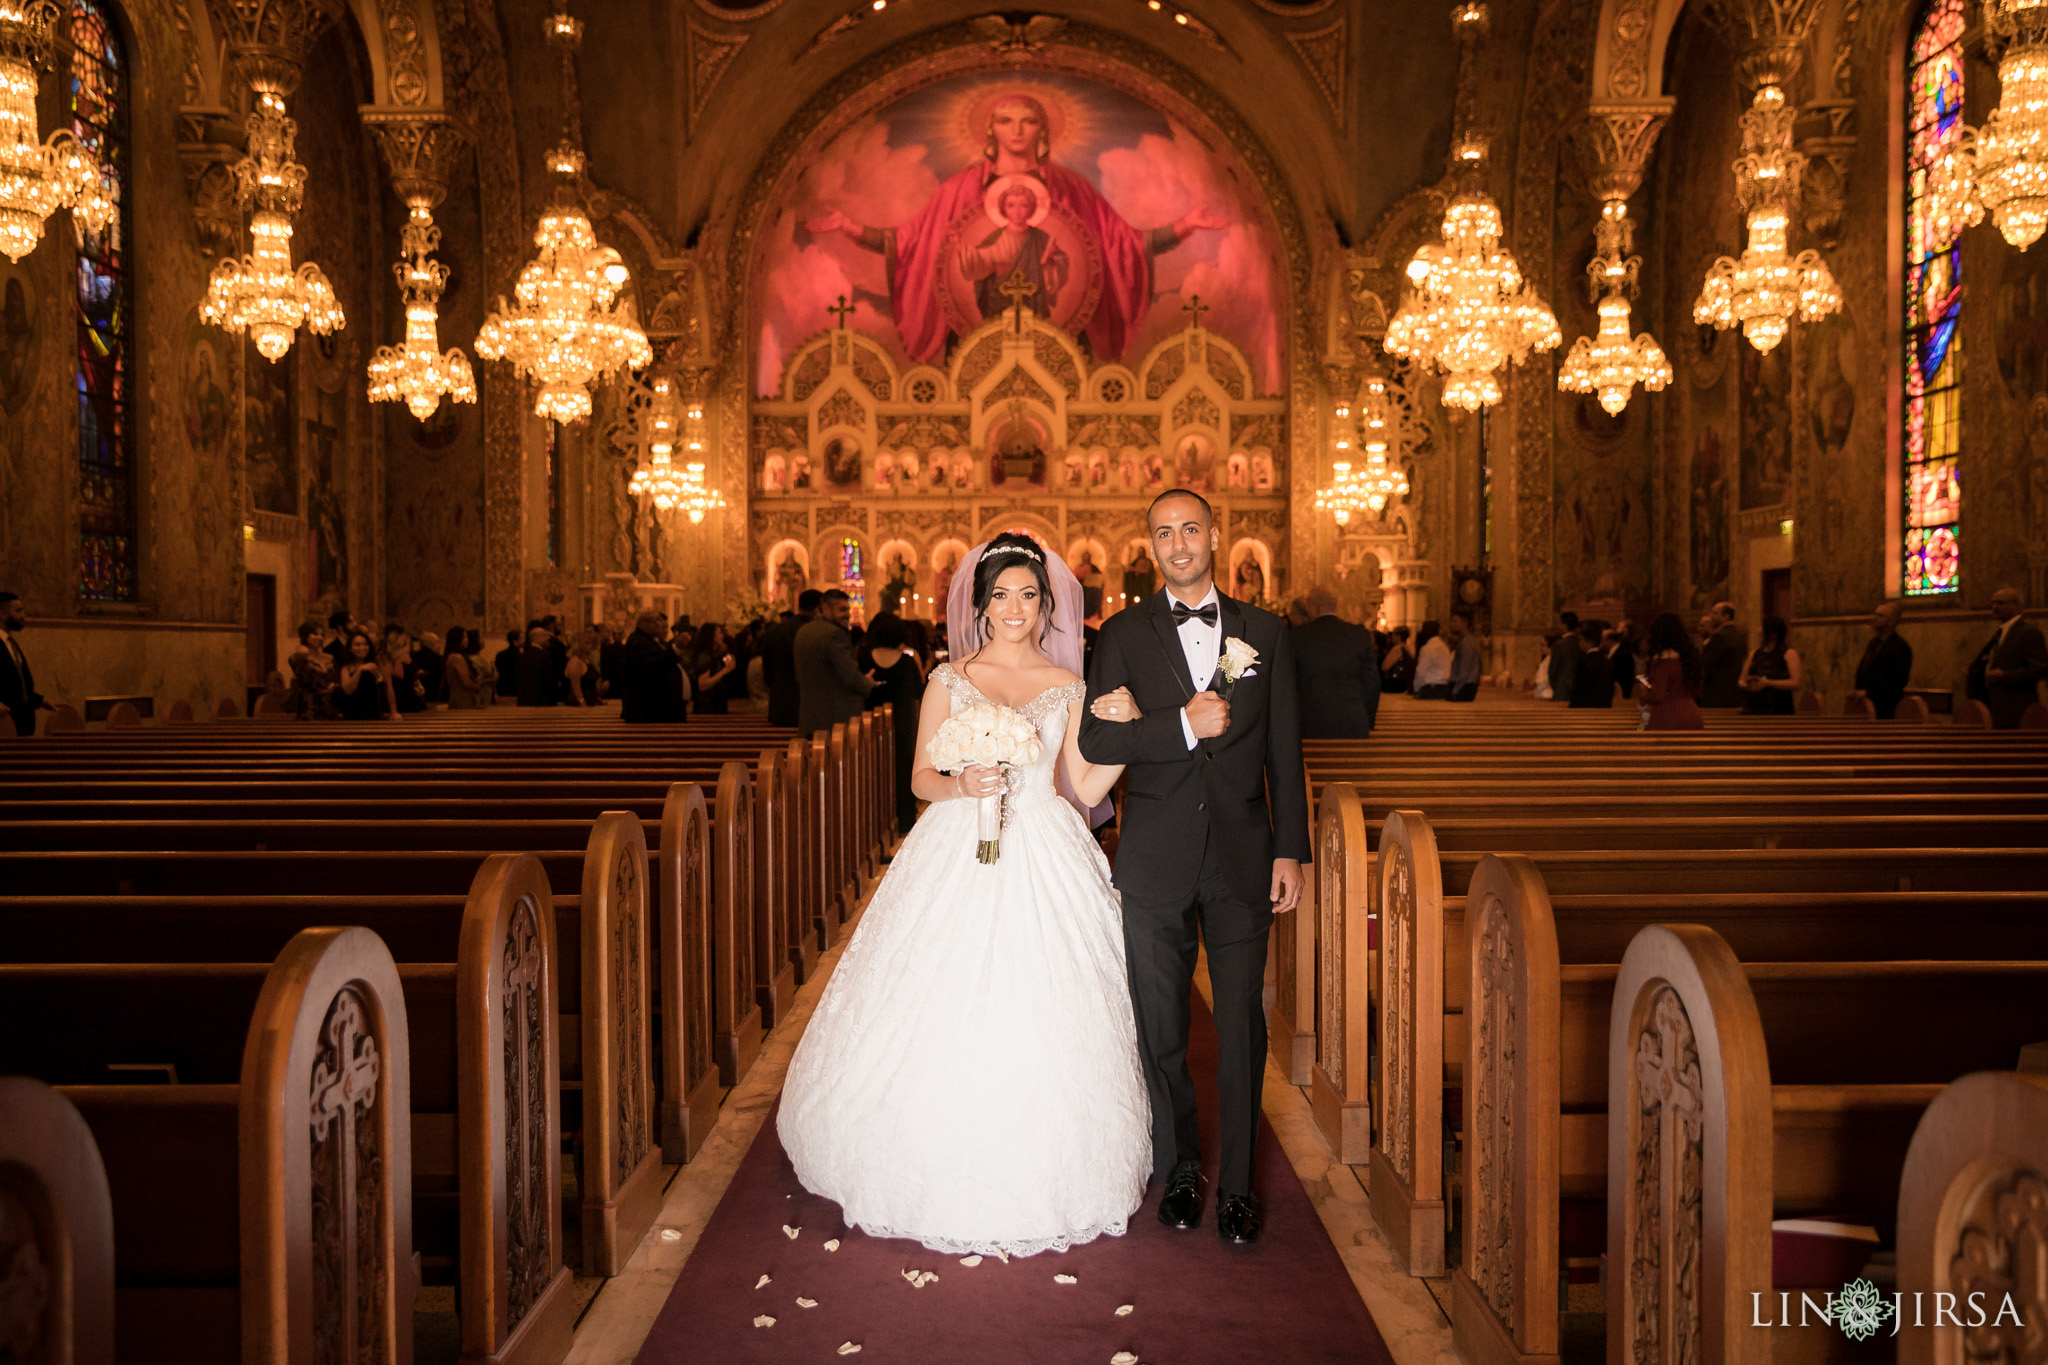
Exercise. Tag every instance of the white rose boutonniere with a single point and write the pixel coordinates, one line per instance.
(1237, 663)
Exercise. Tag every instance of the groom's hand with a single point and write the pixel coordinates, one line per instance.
(1286, 893)
(1209, 716)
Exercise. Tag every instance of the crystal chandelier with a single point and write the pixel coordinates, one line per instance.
(698, 497)
(260, 293)
(567, 328)
(417, 371)
(2004, 166)
(657, 477)
(1471, 311)
(1768, 285)
(1611, 364)
(1343, 498)
(38, 178)
(1381, 480)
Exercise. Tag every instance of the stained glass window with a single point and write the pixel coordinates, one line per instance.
(852, 572)
(1933, 304)
(106, 438)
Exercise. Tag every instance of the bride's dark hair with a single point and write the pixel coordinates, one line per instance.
(1010, 550)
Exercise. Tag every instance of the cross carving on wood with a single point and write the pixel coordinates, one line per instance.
(1667, 1191)
(843, 310)
(1194, 308)
(1017, 289)
(345, 1077)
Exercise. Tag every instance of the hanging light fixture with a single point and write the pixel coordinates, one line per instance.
(698, 497)
(260, 293)
(1471, 312)
(38, 178)
(1610, 364)
(1381, 480)
(567, 328)
(2002, 167)
(1343, 498)
(657, 476)
(417, 371)
(1768, 285)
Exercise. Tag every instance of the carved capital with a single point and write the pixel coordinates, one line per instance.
(420, 149)
(210, 185)
(1770, 35)
(1616, 141)
(286, 26)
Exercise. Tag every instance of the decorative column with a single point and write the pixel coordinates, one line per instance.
(1616, 146)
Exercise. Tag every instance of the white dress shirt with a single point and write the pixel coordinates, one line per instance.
(1202, 643)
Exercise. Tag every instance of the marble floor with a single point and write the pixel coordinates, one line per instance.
(1410, 1312)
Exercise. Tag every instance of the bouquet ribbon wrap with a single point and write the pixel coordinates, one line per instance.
(989, 827)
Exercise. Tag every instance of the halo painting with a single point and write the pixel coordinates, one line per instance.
(981, 192)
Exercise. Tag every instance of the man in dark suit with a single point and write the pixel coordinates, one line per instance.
(17, 680)
(830, 687)
(778, 657)
(1336, 672)
(654, 675)
(1887, 663)
(1202, 860)
(1722, 655)
(2006, 674)
(339, 624)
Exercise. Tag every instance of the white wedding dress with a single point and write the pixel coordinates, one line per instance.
(970, 1079)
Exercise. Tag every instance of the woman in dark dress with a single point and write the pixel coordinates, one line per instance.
(900, 681)
(1773, 674)
(1670, 691)
(362, 692)
(709, 664)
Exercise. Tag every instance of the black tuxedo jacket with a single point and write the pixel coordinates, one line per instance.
(18, 693)
(1337, 675)
(1241, 791)
(1882, 673)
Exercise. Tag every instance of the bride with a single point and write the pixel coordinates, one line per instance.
(970, 1078)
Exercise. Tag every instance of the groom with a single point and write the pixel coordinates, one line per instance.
(1200, 852)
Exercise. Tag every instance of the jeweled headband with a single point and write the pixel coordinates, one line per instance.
(1023, 550)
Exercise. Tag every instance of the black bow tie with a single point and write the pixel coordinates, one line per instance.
(1183, 613)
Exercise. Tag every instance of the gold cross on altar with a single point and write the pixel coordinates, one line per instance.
(843, 309)
(1017, 289)
(1194, 308)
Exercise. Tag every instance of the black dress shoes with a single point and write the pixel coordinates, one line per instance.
(1181, 1206)
(1237, 1219)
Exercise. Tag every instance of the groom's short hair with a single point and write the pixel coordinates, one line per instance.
(1207, 510)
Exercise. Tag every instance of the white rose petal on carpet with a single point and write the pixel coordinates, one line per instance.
(764, 1321)
(807, 1303)
(1123, 1358)
(970, 1260)
(790, 1232)
(758, 1283)
(1064, 1279)
(849, 1348)
(1124, 1311)
(671, 1235)
(832, 1245)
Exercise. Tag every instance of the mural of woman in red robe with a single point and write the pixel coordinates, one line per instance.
(983, 192)
(1019, 144)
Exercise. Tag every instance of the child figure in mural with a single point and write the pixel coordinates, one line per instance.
(1018, 151)
(1019, 260)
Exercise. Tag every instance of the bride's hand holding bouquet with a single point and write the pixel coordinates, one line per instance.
(976, 745)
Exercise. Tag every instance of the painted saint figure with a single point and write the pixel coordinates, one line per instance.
(1019, 260)
(1018, 144)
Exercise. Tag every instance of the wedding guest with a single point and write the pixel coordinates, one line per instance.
(1593, 675)
(1669, 695)
(363, 690)
(654, 675)
(778, 657)
(312, 671)
(506, 666)
(2006, 674)
(1397, 664)
(1432, 663)
(1539, 685)
(1721, 656)
(611, 661)
(1887, 663)
(403, 675)
(898, 682)
(1773, 675)
(537, 685)
(1336, 671)
(339, 624)
(1564, 657)
(830, 688)
(581, 684)
(1298, 612)
(1465, 657)
(469, 681)
(431, 662)
(17, 680)
(710, 662)
(1621, 656)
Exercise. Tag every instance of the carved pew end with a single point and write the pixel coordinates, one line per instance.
(61, 1303)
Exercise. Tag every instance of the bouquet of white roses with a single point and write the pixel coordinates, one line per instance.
(989, 736)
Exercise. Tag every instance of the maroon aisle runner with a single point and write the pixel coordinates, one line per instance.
(1195, 1301)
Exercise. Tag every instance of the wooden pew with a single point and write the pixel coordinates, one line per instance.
(1714, 1133)
(1338, 1089)
(241, 1207)
(1973, 1204)
(1405, 1181)
(1291, 962)
(60, 1303)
